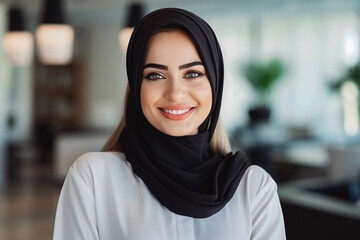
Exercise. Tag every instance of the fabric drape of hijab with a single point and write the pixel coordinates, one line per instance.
(181, 172)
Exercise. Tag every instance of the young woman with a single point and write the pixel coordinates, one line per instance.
(168, 172)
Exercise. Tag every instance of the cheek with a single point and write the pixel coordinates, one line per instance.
(148, 97)
(204, 94)
(209, 102)
(144, 98)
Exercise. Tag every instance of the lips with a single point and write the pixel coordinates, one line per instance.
(177, 112)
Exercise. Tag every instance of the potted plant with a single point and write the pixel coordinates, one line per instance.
(350, 74)
(262, 77)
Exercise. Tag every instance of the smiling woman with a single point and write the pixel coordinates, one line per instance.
(175, 93)
(169, 159)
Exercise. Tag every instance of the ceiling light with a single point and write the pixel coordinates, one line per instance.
(54, 37)
(18, 44)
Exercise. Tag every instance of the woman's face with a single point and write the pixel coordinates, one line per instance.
(175, 93)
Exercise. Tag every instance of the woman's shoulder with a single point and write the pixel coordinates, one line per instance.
(255, 172)
(256, 179)
(93, 164)
(98, 159)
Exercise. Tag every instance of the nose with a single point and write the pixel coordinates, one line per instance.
(175, 89)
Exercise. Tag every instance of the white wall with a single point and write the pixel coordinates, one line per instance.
(106, 75)
(3, 87)
(21, 103)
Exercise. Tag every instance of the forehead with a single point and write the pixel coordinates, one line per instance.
(171, 44)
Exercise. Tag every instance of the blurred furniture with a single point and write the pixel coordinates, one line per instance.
(69, 146)
(286, 154)
(59, 94)
(18, 154)
(321, 208)
(300, 160)
(344, 161)
(58, 102)
(259, 141)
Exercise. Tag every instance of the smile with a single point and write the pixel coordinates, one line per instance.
(176, 114)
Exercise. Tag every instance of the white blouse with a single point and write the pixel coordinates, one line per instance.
(103, 199)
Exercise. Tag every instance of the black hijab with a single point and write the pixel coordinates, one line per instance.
(183, 173)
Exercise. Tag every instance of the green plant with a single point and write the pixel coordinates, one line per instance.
(11, 121)
(352, 73)
(263, 76)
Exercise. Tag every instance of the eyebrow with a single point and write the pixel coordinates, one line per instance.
(160, 66)
(154, 65)
(187, 65)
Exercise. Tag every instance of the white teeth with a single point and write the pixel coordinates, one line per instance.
(176, 112)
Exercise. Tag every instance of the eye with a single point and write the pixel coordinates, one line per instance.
(154, 76)
(193, 74)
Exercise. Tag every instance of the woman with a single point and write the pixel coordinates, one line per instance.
(167, 172)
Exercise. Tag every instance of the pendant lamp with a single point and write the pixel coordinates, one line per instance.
(54, 37)
(18, 43)
(135, 13)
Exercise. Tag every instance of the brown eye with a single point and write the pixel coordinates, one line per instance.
(154, 76)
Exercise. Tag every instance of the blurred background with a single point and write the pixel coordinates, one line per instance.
(291, 100)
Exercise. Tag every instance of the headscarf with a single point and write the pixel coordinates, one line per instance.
(183, 173)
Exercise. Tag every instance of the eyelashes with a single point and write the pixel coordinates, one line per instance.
(154, 76)
(191, 74)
